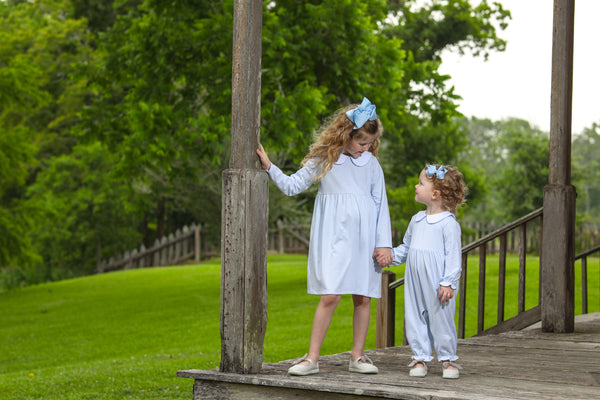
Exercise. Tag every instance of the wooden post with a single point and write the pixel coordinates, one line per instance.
(558, 250)
(280, 238)
(481, 294)
(385, 325)
(197, 244)
(245, 206)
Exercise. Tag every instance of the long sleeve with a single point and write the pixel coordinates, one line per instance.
(293, 184)
(384, 224)
(400, 252)
(453, 255)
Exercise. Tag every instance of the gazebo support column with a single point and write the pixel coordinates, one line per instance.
(558, 249)
(243, 270)
(245, 206)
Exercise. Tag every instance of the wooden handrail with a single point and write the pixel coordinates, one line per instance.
(522, 319)
(587, 252)
(397, 283)
(508, 227)
(584, 289)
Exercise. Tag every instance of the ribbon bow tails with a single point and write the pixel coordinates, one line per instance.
(438, 172)
(363, 113)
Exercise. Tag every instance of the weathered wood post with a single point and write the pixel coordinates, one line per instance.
(386, 312)
(197, 244)
(558, 275)
(245, 206)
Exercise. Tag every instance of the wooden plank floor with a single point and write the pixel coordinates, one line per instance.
(527, 364)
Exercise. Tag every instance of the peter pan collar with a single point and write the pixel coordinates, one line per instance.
(434, 218)
(359, 162)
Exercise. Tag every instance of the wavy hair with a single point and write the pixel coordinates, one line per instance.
(452, 188)
(331, 139)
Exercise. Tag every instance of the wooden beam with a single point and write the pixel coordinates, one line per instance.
(245, 94)
(245, 206)
(557, 266)
(516, 323)
(386, 312)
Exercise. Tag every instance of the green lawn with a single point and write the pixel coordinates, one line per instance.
(124, 335)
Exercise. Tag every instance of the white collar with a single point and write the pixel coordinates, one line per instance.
(433, 218)
(359, 162)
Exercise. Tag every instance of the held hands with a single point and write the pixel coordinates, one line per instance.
(264, 159)
(445, 294)
(383, 256)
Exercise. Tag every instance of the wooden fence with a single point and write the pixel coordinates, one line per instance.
(289, 239)
(191, 243)
(183, 245)
(475, 231)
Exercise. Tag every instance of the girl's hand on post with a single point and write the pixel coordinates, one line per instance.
(445, 294)
(264, 159)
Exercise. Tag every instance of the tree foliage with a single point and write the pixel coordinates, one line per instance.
(449, 25)
(586, 171)
(116, 116)
(38, 48)
(511, 156)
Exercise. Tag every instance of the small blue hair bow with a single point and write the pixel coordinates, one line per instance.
(438, 172)
(363, 113)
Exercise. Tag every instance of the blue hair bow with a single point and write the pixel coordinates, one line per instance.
(363, 113)
(438, 172)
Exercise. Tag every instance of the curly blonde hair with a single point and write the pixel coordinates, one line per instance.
(335, 134)
(452, 188)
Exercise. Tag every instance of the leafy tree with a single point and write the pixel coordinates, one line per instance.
(16, 154)
(586, 179)
(169, 71)
(429, 129)
(586, 170)
(453, 25)
(133, 102)
(38, 47)
(512, 158)
(154, 109)
(78, 206)
(525, 170)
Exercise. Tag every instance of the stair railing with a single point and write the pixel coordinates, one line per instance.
(385, 319)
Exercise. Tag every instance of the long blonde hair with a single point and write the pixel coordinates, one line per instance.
(335, 134)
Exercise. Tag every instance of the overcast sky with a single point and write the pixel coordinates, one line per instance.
(516, 82)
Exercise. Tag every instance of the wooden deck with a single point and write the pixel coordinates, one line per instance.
(527, 364)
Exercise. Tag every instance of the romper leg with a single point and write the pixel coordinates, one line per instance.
(443, 329)
(417, 331)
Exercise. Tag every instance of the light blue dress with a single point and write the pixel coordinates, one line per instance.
(432, 252)
(350, 219)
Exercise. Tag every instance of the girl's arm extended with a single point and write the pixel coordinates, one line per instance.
(289, 185)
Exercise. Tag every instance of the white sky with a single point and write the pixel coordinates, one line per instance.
(516, 82)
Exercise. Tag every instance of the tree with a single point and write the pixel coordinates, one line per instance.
(586, 177)
(79, 203)
(453, 25)
(140, 99)
(586, 170)
(511, 156)
(37, 48)
(169, 70)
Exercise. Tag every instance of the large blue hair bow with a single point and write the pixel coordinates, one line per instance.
(363, 113)
(438, 172)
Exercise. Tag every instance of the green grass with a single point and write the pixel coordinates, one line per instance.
(124, 335)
